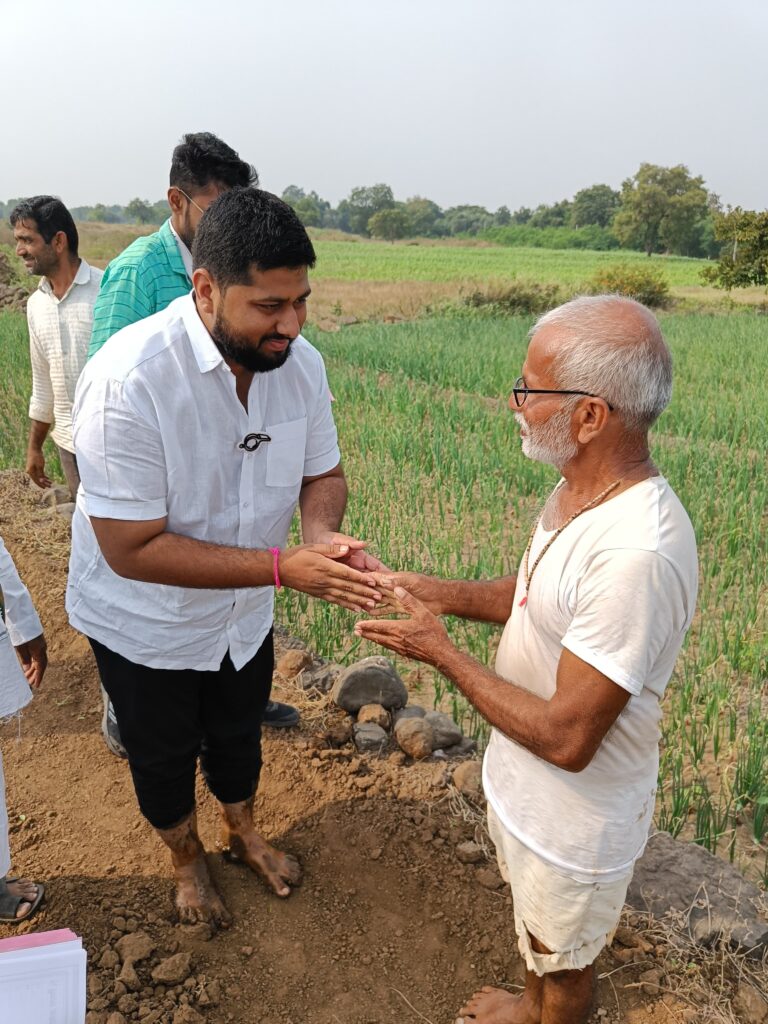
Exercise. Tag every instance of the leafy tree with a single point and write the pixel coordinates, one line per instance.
(555, 216)
(743, 235)
(594, 205)
(138, 211)
(354, 213)
(661, 210)
(470, 220)
(522, 215)
(390, 224)
(160, 211)
(311, 209)
(502, 217)
(102, 213)
(425, 217)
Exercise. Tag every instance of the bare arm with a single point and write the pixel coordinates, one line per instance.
(35, 466)
(322, 501)
(566, 730)
(481, 600)
(147, 551)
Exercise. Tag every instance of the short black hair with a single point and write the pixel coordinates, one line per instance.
(201, 159)
(248, 229)
(50, 216)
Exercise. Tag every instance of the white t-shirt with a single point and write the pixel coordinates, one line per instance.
(159, 431)
(617, 588)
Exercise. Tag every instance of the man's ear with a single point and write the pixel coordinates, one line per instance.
(592, 419)
(59, 243)
(205, 290)
(175, 199)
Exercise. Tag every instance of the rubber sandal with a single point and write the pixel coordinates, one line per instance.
(10, 904)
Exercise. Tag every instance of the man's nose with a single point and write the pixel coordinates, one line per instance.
(288, 324)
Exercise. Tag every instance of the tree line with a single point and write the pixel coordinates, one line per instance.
(657, 210)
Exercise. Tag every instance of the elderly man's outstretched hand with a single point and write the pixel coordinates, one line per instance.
(420, 636)
(319, 570)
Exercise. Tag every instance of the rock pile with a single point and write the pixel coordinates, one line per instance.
(374, 695)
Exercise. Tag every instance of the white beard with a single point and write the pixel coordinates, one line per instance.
(549, 441)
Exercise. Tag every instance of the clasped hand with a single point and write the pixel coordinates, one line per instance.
(421, 635)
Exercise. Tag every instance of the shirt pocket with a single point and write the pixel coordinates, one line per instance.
(286, 453)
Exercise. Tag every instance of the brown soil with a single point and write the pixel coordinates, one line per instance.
(388, 925)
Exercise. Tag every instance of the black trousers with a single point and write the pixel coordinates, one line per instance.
(169, 718)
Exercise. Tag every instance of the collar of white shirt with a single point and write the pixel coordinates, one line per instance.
(83, 276)
(186, 255)
(207, 355)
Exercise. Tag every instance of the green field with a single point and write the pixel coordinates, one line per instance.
(381, 261)
(438, 483)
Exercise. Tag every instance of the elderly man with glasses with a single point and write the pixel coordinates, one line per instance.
(593, 622)
(156, 269)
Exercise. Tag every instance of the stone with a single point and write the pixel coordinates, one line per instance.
(56, 495)
(489, 878)
(338, 734)
(129, 977)
(717, 901)
(173, 970)
(464, 748)
(292, 662)
(370, 681)
(319, 677)
(749, 1005)
(468, 779)
(109, 959)
(128, 1003)
(375, 714)
(415, 737)
(187, 1015)
(116, 1018)
(369, 738)
(446, 732)
(470, 853)
(96, 1017)
(135, 947)
(651, 980)
(410, 711)
(66, 509)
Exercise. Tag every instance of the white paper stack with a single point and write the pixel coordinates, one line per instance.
(42, 978)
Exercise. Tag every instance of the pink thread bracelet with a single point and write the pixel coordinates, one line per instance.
(275, 567)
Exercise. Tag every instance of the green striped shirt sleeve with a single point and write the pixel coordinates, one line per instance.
(123, 299)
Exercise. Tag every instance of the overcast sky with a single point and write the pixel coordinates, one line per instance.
(490, 102)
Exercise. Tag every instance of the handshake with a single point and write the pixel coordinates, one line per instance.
(337, 569)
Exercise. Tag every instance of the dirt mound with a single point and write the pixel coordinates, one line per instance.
(389, 925)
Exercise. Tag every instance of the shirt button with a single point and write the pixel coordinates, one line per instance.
(246, 504)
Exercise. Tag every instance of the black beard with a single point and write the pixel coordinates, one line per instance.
(235, 347)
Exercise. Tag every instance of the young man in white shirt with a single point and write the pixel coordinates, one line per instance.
(23, 660)
(593, 621)
(198, 430)
(60, 319)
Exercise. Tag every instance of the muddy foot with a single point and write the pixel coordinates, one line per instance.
(197, 898)
(496, 1006)
(279, 870)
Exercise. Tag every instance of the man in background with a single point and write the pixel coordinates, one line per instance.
(60, 318)
(156, 269)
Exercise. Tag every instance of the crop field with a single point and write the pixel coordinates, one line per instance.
(438, 483)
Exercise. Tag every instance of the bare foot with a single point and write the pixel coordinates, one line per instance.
(22, 889)
(496, 1006)
(197, 898)
(279, 870)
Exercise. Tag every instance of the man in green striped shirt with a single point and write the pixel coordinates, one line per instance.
(156, 269)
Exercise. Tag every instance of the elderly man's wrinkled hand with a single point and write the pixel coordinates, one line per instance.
(320, 571)
(426, 589)
(420, 636)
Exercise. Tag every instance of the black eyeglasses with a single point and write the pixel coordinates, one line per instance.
(521, 392)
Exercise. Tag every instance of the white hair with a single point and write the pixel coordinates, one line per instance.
(612, 346)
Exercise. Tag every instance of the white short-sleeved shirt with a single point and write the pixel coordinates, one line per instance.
(158, 429)
(618, 589)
